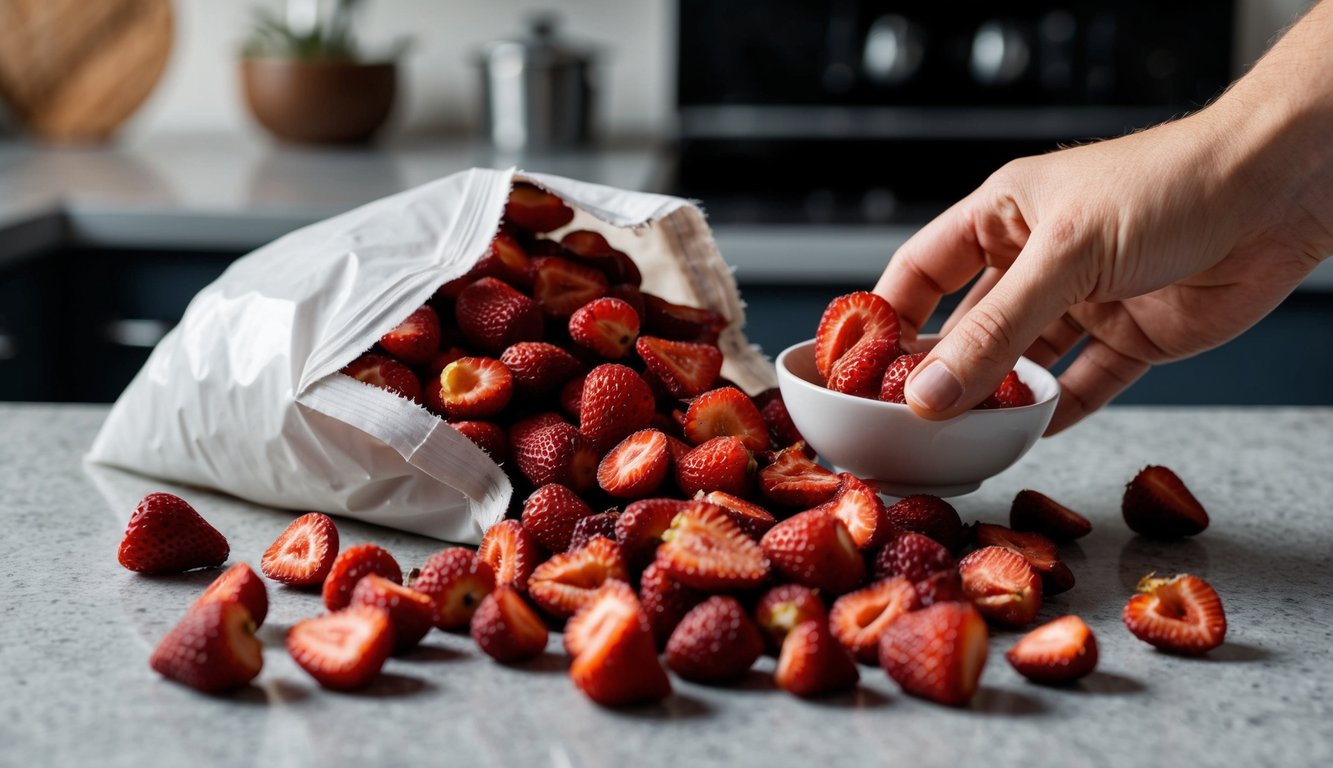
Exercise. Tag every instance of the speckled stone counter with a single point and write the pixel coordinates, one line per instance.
(76, 631)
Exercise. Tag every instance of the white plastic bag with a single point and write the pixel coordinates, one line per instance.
(245, 397)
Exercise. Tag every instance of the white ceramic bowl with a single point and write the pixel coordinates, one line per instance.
(901, 452)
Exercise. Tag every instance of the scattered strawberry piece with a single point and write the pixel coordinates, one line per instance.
(913, 556)
(615, 403)
(601, 524)
(557, 453)
(774, 410)
(615, 660)
(793, 480)
(814, 548)
(684, 368)
(679, 322)
(859, 508)
(586, 244)
(1002, 585)
(1038, 550)
(783, 608)
(607, 326)
(475, 388)
(411, 613)
(936, 653)
(860, 370)
(1158, 505)
(166, 535)
(859, 618)
(703, 549)
(415, 340)
(538, 367)
(456, 581)
(562, 584)
(212, 649)
(593, 247)
(636, 467)
(493, 315)
(813, 662)
(1033, 511)
(1181, 615)
(721, 464)
(929, 515)
(561, 286)
(940, 587)
(505, 260)
(640, 527)
(238, 584)
(726, 411)
(665, 601)
(550, 514)
(847, 320)
(303, 554)
(893, 386)
(715, 642)
(1058, 652)
(385, 373)
(511, 552)
(1012, 393)
(507, 629)
(343, 650)
(536, 210)
(487, 435)
(752, 518)
(350, 566)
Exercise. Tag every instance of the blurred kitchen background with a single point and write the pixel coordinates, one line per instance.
(141, 151)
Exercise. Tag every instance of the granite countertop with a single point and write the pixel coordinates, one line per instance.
(76, 631)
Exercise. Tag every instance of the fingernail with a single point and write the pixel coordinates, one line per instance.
(935, 387)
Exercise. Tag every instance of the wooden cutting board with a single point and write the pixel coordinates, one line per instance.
(73, 70)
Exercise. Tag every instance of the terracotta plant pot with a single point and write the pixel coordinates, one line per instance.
(319, 101)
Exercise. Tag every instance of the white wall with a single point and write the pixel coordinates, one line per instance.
(200, 91)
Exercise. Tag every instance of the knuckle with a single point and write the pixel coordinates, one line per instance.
(988, 333)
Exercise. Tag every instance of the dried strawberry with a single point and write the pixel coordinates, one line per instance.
(350, 566)
(456, 580)
(1057, 652)
(679, 322)
(511, 552)
(538, 367)
(814, 663)
(238, 584)
(561, 286)
(858, 618)
(847, 320)
(793, 480)
(1158, 505)
(493, 315)
(593, 248)
(343, 650)
(726, 411)
(714, 643)
(1002, 585)
(507, 629)
(411, 613)
(212, 649)
(615, 659)
(586, 244)
(936, 653)
(1181, 615)
(385, 373)
(635, 467)
(929, 515)
(303, 554)
(166, 535)
(475, 388)
(815, 549)
(536, 210)
(703, 549)
(614, 404)
(860, 370)
(859, 508)
(415, 340)
(606, 326)
(1033, 511)
(684, 368)
(893, 386)
(550, 514)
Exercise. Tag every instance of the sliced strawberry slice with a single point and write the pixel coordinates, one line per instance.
(343, 650)
(929, 515)
(859, 618)
(720, 464)
(507, 629)
(913, 556)
(703, 549)
(493, 315)
(486, 435)
(1012, 393)
(415, 340)
(635, 467)
(350, 566)
(859, 508)
(783, 608)
(726, 411)
(539, 368)
(1002, 585)
(456, 581)
(1158, 505)
(615, 403)
(615, 660)
(1181, 615)
(212, 649)
(166, 535)
(814, 548)
(680, 322)
(302, 555)
(1038, 550)
(665, 601)
(936, 653)
(238, 584)
(860, 371)
(475, 388)
(813, 663)
(640, 527)
(536, 210)
(715, 642)
(684, 368)
(752, 518)
(411, 613)
(847, 320)
(1058, 652)
(606, 326)
(563, 584)
(386, 373)
(793, 480)
(511, 552)
(1033, 511)
(550, 514)
(894, 385)
(561, 286)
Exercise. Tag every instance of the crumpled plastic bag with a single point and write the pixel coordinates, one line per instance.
(245, 396)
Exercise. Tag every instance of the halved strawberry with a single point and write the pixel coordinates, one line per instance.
(1181, 615)
(238, 584)
(684, 368)
(665, 601)
(386, 373)
(929, 515)
(615, 659)
(1002, 585)
(1038, 550)
(859, 508)
(1060, 651)
(815, 549)
(430, 390)
(752, 518)
(586, 244)
(303, 554)
(607, 326)
(350, 566)
(166, 535)
(411, 613)
(511, 552)
(486, 435)
(593, 248)
(1158, 505)
(720, 464)
(213, 648)
(704, 549)
(550, 514)
(640, 527)
(507, 629)
(714, 643)
(562, 584)
(726, 411)
(506, 260)
(1012, 393)
(1033, 511)
(456, 580)
(475, 388)
(415, 340)
(814, 663)
(913, 556)
(600, 524)
(848, 319)
(615, 403)
(538, 367)
(635, 467)
(343, 650)
(783, 608)
(493, 315)
(860, 370)
(680, 322)
(536, 210)
(557, 453)
(893, 386)
(936, 653)
(561, 286)
(859, 618)
(793, 480)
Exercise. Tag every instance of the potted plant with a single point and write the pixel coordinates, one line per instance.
(305, 79)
